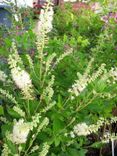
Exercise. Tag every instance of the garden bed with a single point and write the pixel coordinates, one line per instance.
(58, 86)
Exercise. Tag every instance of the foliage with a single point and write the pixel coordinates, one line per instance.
(58, 89)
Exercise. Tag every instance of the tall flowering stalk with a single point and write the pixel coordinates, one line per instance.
(28, 124)
(19, 75)
(44, 26)
(84, 80)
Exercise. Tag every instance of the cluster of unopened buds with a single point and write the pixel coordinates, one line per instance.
(83, 129)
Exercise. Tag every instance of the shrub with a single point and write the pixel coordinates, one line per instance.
(48, 112)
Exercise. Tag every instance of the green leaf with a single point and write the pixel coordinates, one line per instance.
(75, 152)
(13, 113)
(57, 125)
(11, 147)
(82, 152)
(5, 128)
(57, 141)
(59, 103)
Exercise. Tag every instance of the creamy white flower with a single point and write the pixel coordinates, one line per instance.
(21, 78)
(84, 80)
(45, 20)
(81, 129)
(23, 82)
(20, 132)
(78, 87)
(72, 134)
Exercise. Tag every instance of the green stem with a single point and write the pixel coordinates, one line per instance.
(28, 108)
(41, 59)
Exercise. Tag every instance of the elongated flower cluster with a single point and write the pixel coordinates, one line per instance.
(22, 81)
(21, 78)
(82, 129)
(81, 84)
(44, 150)
(19, 111)
(108, 137)
(44, 26)
(21, 129)
(19, 75)
(48, 92)
(45, 19)
(6, 94)
(20, 132)
(6, 151)
(35, 121)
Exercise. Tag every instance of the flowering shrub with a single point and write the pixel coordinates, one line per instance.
(57, 98)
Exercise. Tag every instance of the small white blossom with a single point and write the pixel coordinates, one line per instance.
(23, 82)
(72, 134)
(21, 78)
(45, 20)
(81, 129)
(20, 132)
